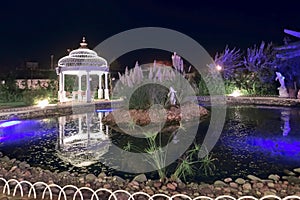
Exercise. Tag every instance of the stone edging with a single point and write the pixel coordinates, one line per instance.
(248, 100)
(55, 110)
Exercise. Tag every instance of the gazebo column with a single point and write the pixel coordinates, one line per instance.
(100, 91)
(88, 88)
(79, 88)
(62, 92)
(106, 91)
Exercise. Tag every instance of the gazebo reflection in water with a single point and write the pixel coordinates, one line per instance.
(82, 139)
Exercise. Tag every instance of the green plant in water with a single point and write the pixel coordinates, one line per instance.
(156, 155)
(181, 126)
(207, 164)
(128, 146)
(186, 166)
(131, 124)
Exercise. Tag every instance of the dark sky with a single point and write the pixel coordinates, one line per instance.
(33, 30)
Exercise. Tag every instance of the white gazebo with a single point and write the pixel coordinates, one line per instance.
(82, 62)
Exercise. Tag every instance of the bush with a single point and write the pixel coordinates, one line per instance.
(31, 97)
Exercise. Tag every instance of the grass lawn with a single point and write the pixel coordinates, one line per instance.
(12, 105)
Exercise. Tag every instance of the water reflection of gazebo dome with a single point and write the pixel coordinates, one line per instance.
(82, 62)
(84, 146)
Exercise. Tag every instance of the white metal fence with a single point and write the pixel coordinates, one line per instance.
(42, 190)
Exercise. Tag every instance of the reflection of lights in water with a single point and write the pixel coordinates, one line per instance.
(9, 123)
(277, 147)
(285, 117)
(17, 131)
(84, 146)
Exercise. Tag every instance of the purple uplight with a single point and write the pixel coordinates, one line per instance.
(9, 123)
(17, 131)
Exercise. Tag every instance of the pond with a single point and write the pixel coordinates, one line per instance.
(255, 140)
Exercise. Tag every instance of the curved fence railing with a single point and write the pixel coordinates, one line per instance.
(42, 190)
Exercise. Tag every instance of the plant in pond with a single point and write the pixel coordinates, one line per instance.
(207, 164)
(181, 126)
(131, 124)
(155, 155)
(186, 166)
(128, 146)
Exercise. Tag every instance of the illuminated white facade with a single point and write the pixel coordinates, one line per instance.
(82, 62)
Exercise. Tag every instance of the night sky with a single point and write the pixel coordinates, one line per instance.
(33, 30)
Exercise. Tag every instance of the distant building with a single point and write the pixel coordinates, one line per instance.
(32, 65)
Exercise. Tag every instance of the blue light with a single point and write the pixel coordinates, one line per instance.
(9, 123)
(105, 110)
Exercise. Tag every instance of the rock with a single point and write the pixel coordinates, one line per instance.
(13, 168)
(171, 186)
(227, 180)
(269, 193)
(219, 183)
(240, 181)
(107, 186)
(253, 178)
(259, 185)
(27, 174)
(90, 178)
(5, 159)
(297, 170)
(233, 185)
(118, 179)
(226, 190)
(288, 172)
(247, 186)
(274, 177)
(102, 175)
(292, 179)
(181, 185)
(270, 185)
(149, 191)
(69, 192)
(157, 184)
(1, 154)
(23, 165)
(135, 183)
(140, 178)
(196, 194)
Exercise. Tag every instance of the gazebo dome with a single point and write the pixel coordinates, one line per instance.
(83, 57)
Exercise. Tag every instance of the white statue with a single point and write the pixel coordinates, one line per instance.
(282, 89)
(172, 96)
